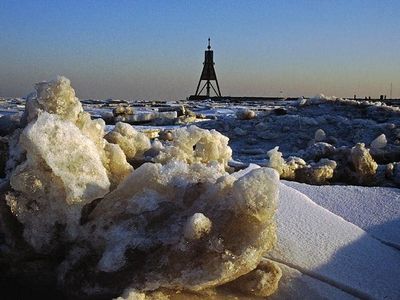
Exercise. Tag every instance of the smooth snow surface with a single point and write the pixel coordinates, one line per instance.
(374, 209)
(326, 247)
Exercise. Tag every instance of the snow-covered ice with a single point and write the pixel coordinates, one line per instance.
(326, 247)
(374, 209)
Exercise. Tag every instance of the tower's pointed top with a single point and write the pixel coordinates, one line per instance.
(209, 46)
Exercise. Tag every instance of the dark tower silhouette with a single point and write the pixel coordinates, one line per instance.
(208, 74)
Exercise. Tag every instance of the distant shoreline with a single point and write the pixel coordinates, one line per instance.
(252, 98)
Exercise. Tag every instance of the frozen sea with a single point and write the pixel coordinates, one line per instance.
(334, 241)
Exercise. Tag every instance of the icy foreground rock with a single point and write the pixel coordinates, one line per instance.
(176, 226)
(100, 227)
(68, 164)
(63, 172)
(53, 140)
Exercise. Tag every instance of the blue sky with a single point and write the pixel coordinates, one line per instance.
(155, 49)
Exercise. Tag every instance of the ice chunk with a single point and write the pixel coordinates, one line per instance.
(319, 150)
(379, 143)
(92, 129)
(275, 160)
(149, 227)
(245, 114)
(285, 169)
(193, 145)
(63, 172)
(319, 135)
(363, 163)
(197, 226)
(122, 110)
(55, 97)
(115, 162)
(302, 101)
(145, 117)
(317, 173)
(131, 141)
(296, 168)
(68, 164)
(58, 97)
(54, 144)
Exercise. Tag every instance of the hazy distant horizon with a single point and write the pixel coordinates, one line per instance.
(154, 51)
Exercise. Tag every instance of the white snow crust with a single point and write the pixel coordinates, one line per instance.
(326, 247)
(374, 209)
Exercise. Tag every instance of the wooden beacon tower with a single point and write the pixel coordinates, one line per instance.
(208, 74)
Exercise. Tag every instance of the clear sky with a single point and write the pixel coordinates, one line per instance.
(155, 49)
